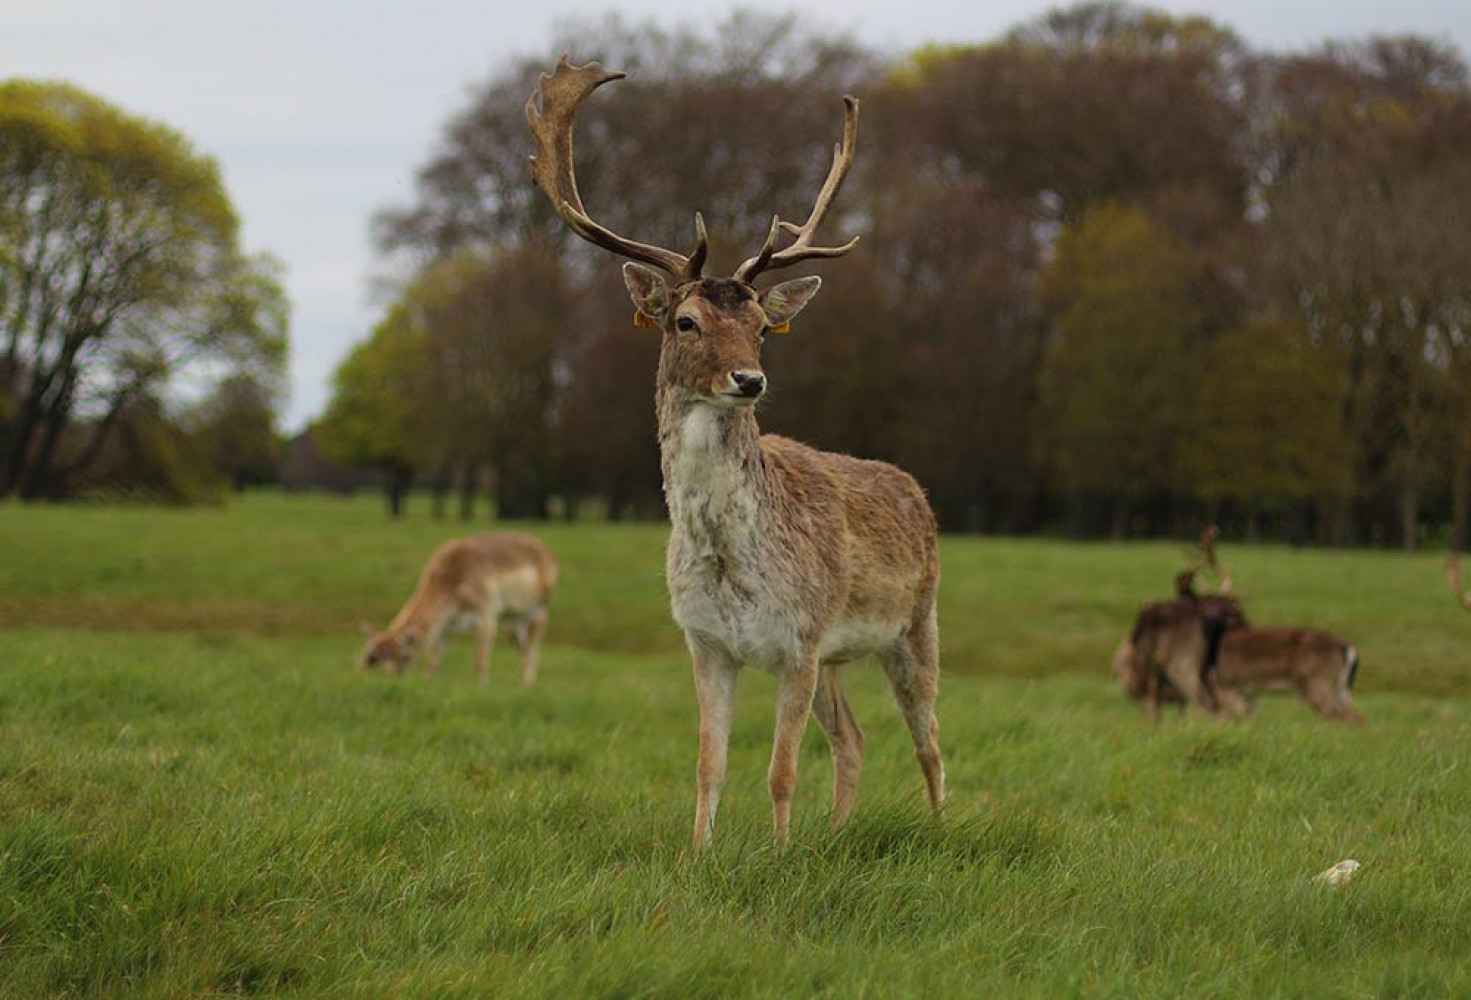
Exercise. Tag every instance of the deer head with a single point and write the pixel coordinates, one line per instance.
(713, 327)
(394, 652)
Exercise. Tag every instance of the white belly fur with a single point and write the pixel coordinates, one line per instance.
(769, 642)
(518, 593)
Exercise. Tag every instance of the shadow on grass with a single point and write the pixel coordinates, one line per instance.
(901, 832)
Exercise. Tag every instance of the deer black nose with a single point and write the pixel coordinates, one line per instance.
(749, 384)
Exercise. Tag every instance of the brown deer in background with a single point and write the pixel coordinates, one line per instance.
(1200, 649)
(781, 557)
(472, 582)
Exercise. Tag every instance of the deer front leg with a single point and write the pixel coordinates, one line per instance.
(528, 637)
(432, 655)
(715, 681)
(1187, 674)
(795, 690)
(484, 640)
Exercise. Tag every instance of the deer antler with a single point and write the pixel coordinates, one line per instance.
(770, 259)
(1205, 559)
(1208, 539)
(1453, 577)
(561, 92)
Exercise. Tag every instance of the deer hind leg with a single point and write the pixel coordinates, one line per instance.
(912, 665)
(1236, 705)
(528, 637)
(794, 694)
(715, 682)
(844, 736)
(1347, 710)
(1322, 693)
(484, 640)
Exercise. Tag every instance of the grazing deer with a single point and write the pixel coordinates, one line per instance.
(472, 582)
(1201, 650)
(1174, 646)
(1319, 666)
(1453, 579)
(781, 557)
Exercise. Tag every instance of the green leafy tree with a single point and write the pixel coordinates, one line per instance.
(1269, 421)
(235, 426)
(494, 325)
(373, 416)
(120, 268)
(1120, 373)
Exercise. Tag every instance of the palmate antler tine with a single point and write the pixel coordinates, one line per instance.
(550, 112)
(770, 259)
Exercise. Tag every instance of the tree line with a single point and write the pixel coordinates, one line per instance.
(141, 350)
(1121, 273)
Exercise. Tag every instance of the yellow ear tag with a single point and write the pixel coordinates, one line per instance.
(639, 319)
(780, 328)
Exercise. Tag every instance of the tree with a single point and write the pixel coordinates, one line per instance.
(1087, 104)
(1269, 421)
(150, 456)
(236, 429)
(371, 418)
(726, 128)
(1365, 157)
(493, 328)
(1119, 376)
(120, 267)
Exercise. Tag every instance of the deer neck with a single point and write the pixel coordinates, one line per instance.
(418, 618)
(715, 481)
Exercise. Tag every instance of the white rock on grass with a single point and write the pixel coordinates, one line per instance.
(1338, 874)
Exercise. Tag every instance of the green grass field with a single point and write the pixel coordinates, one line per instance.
(200, 796)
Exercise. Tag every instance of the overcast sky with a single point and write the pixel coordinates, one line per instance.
(319, 112)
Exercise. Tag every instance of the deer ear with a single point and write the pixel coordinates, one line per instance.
(365, 629)
(782, 302)
(649, 293)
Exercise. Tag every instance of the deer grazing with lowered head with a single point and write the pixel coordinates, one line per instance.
(781, 557)
(474, 582)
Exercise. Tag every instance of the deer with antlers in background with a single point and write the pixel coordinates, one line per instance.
(1200, 649)
(781, 557)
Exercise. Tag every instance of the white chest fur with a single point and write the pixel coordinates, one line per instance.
(720, 569)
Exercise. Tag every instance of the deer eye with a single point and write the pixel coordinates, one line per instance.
(685, 324)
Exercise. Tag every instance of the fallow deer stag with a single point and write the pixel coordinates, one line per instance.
(1200, 649)
(781, 557)
(473, 582)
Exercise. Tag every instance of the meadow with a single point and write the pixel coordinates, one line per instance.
(200, 795)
